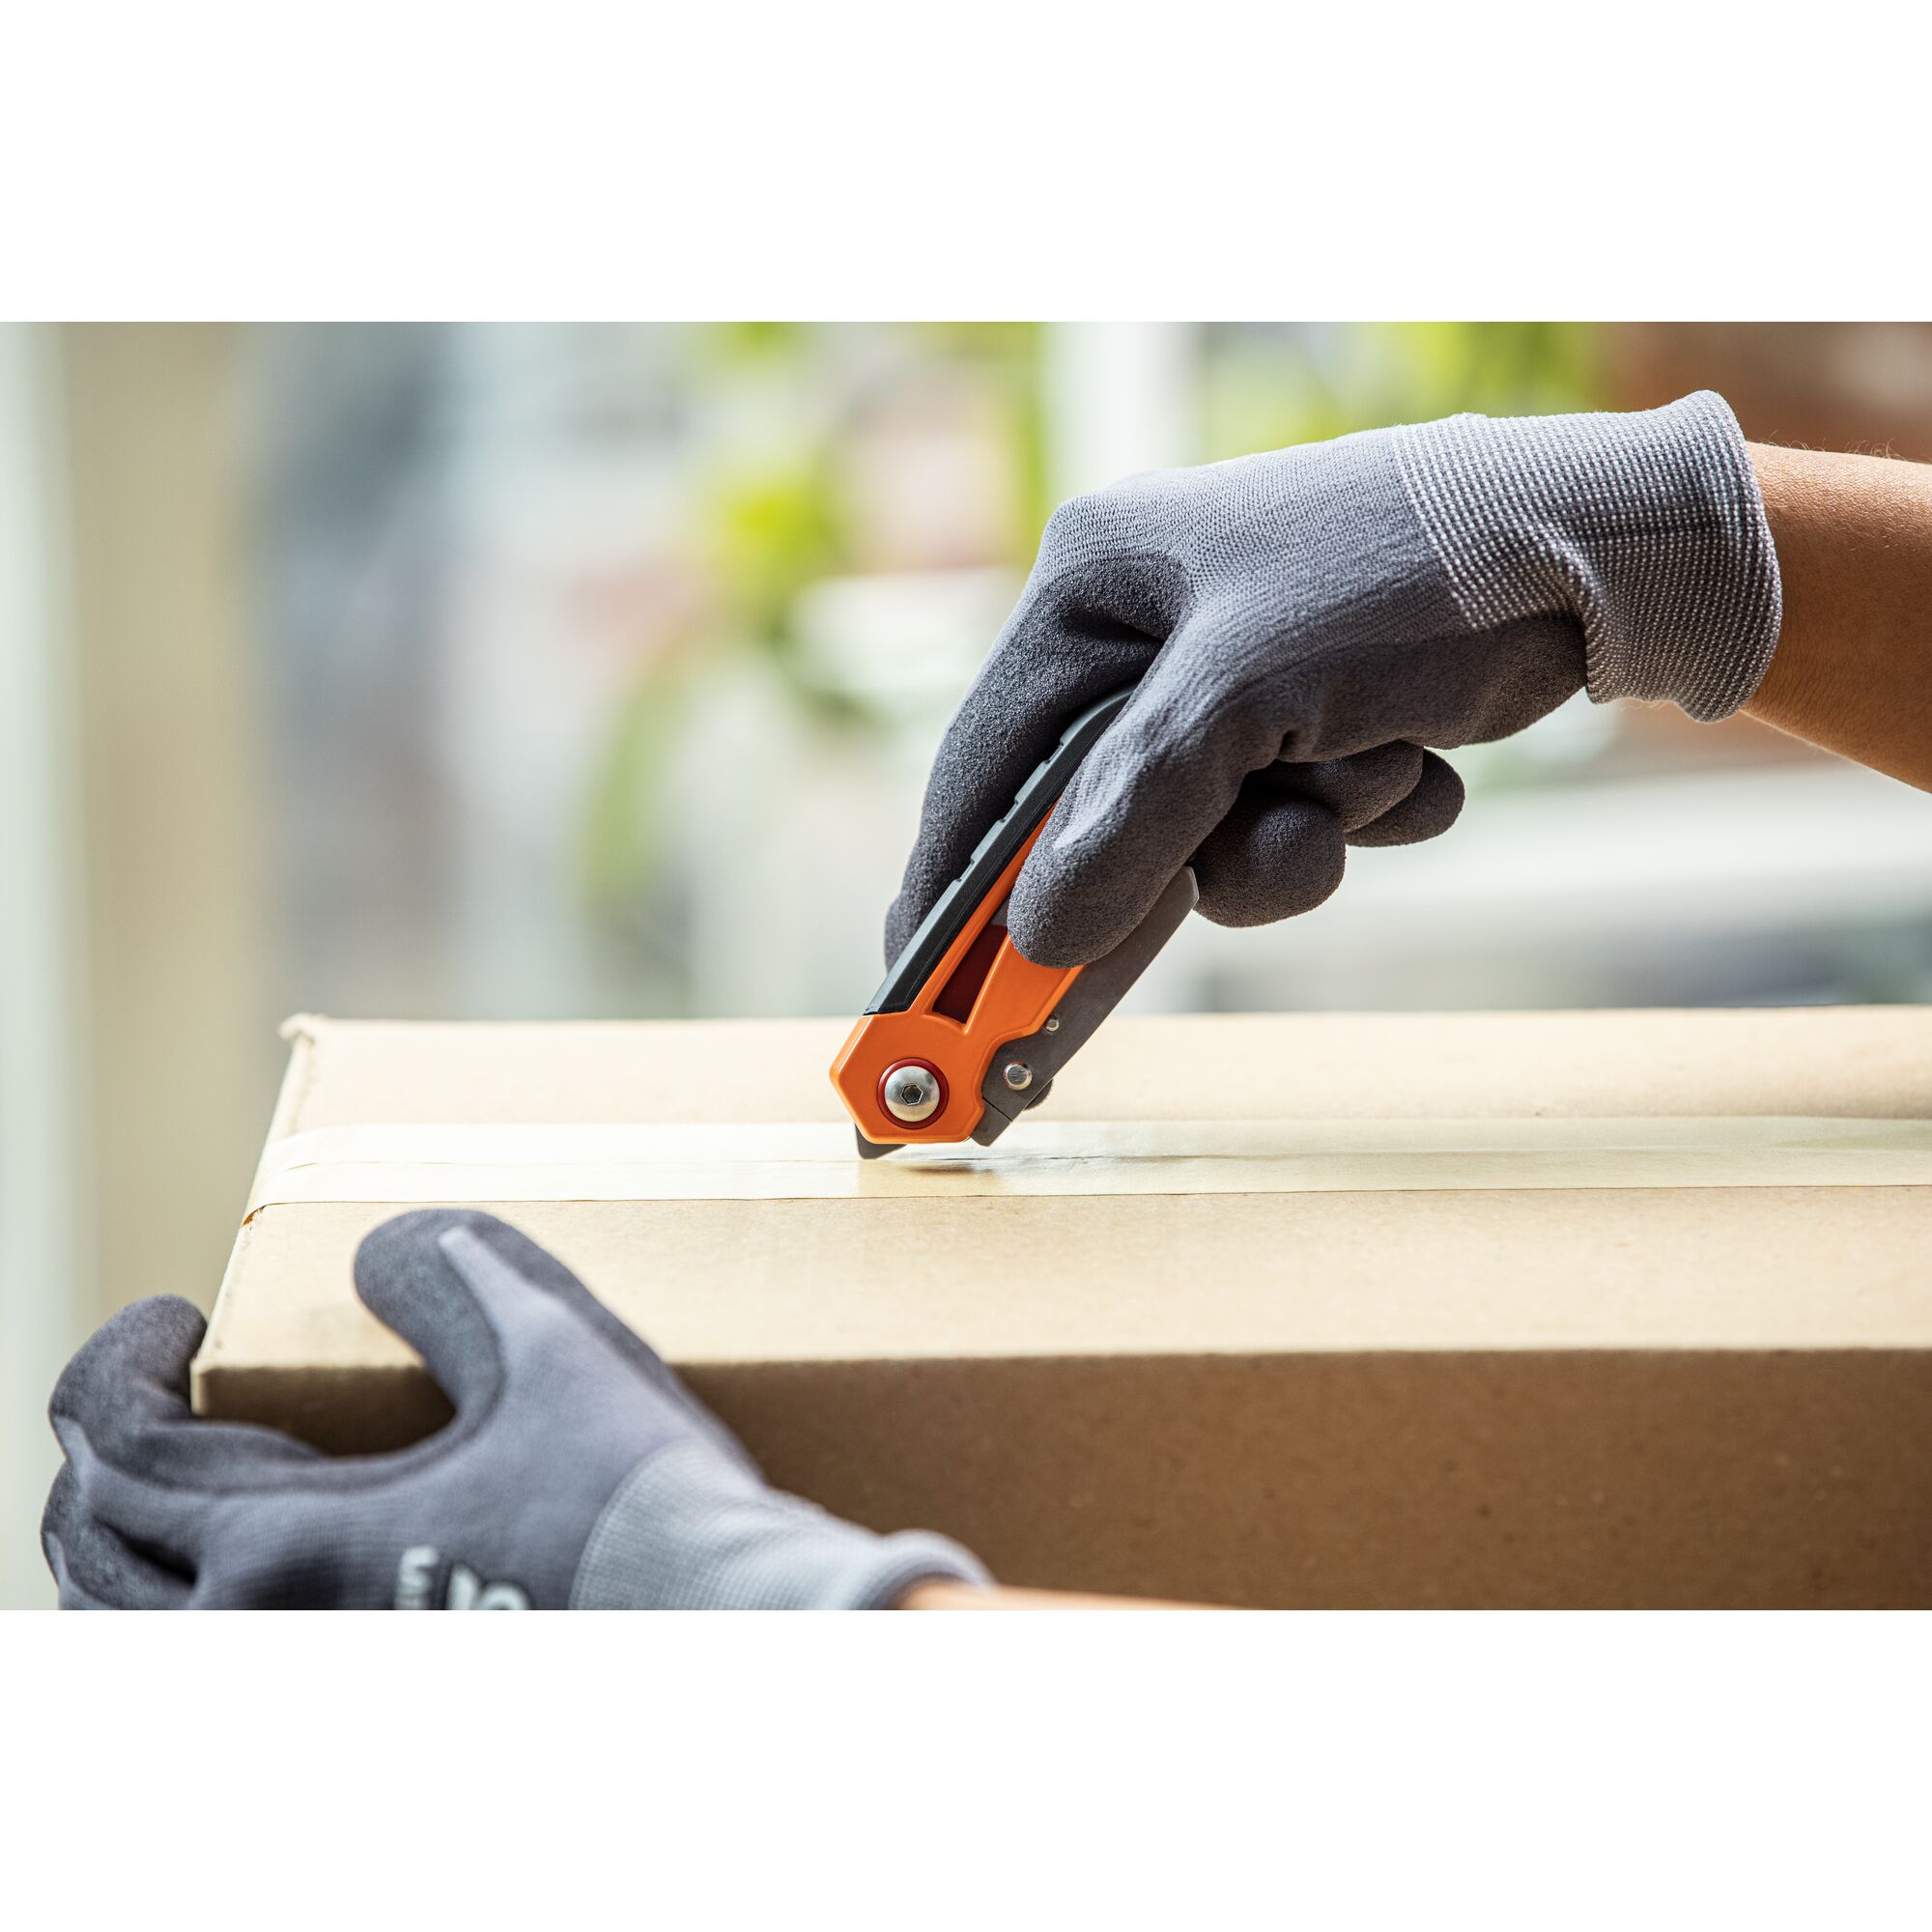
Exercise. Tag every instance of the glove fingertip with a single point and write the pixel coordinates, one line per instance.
(1100, 864)
(410, 1274)
(148, 1343)
(63, 1542)
(94, 1568)
(439, 1269)
(386, 1254)
(1286, 894)
(1060, 924)
(1275, 857)
(1430, 809)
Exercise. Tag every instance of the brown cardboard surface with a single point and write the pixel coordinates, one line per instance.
(1561, 1396)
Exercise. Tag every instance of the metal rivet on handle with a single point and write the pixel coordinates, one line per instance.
(910, 1092)
(1017, 1075)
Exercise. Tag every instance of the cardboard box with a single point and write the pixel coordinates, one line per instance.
(1540, 1310)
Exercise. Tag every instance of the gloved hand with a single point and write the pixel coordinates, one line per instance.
(576, 1471)
(1340, 606)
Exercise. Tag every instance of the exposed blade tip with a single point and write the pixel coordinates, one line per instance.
(874, 1150)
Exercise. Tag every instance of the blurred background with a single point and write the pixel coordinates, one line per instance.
(479, 671)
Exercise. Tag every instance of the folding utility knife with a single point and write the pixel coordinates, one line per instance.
(967, 1033)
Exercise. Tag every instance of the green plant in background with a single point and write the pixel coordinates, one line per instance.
(769, 520)
(765, 535)
(768, 534)
(1014, 349)
(1266, 387)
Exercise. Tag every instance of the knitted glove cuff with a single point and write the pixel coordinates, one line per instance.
(1648, 529)
(686, 1531)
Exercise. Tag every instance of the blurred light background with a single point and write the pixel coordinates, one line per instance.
(473, 672)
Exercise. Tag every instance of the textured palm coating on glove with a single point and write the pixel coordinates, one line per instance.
(1300, 625)
(577, 1467)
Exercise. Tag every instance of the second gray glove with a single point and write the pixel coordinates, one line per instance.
(576, 1471)
(1300, 625)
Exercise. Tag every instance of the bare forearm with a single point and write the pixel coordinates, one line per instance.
(938, 1596)
(1854, 667)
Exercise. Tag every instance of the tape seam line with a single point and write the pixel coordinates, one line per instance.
(806, 1160)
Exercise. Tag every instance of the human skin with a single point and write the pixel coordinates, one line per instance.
(937, 1596)
(1853, 671)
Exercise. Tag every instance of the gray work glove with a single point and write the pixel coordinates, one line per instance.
(1340, 606)
(576, 1471)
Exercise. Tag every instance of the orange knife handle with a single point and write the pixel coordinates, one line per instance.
(1013, 998)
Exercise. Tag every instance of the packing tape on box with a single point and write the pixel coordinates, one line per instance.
(812, 1161)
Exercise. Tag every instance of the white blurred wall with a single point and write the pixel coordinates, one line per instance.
(139, 1058)
(44, 1263)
